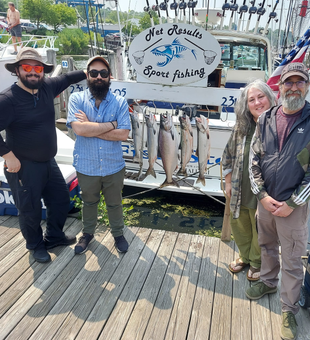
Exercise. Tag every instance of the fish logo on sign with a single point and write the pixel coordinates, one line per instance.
(171, 51)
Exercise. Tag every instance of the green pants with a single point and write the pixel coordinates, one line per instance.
(111, 187)
(245, 235)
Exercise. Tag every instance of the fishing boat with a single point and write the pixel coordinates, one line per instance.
(41, 43)
(185, 68)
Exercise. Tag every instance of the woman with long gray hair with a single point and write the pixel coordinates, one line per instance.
(256, 98)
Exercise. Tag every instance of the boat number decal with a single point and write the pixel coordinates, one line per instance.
(231, 101)
(121, 92)
(64, 64)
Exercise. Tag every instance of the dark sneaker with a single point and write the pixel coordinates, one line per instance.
(121, 244)
(14, 53)
(41, 255)
(259, 290)
(83, 242)
(66, 241)
(289, 326)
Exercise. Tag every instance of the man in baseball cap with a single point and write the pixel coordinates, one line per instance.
(280, 178)
(28, 116)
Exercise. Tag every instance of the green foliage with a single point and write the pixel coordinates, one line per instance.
(60, 14)
(145, 21)
(4, 5)
(72, 41)
(102, 210)
(36, 10)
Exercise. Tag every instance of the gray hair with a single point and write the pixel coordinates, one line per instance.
(244, 117)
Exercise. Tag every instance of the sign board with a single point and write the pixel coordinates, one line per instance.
(174, 54)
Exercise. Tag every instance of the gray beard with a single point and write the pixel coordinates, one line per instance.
(293, 103)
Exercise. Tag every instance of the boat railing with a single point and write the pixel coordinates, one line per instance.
(30, 41)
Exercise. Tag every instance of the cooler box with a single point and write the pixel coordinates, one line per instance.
(7, 206)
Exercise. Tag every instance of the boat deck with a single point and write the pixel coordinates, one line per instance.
(168, 286)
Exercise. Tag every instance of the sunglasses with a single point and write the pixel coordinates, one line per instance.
(28, 68)
(103, 73)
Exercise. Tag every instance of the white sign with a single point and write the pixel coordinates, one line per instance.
(174, 54)
(64, 64)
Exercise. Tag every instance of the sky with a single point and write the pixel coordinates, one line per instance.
(138, 5)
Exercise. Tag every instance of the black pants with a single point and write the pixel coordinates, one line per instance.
(34, 181)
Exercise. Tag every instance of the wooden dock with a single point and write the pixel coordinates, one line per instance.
(168, 286)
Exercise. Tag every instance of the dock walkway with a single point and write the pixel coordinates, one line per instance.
(168, 286)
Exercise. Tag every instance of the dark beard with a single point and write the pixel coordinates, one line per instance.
(99, 88)
(30, 85)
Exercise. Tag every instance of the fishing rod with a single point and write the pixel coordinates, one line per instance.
(192, 5)
(288, 26)
(225, 7)
(243, 9)
(174, 6)
(261, 11)
(272, 15)
(252, 10)
(148, 10)
(156, 8)
(183, 5)
(233, 8)
(164, 7)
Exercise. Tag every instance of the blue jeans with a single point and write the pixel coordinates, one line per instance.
(111, 187)
(34, 181)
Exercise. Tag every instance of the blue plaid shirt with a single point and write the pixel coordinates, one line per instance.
(93, 156)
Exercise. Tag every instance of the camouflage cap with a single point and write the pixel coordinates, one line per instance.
(294, 69)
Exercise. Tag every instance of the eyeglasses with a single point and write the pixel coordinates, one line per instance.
(28, 68)
(300, 84)
(103, 73)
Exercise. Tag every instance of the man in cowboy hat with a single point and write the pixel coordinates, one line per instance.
(27, 114)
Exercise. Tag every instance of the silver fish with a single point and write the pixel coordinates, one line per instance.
(152, 143)
(171, 51)
(203, 147)
(186, 143)
(136, 134)
(168, 146)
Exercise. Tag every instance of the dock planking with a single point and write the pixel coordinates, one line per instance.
(168, 286)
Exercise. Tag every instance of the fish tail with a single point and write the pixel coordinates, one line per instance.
(201, 180)
(182, 172)
(172, 183)
(150, 171)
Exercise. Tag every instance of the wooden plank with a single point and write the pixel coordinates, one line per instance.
(182, 309)
(138, 321)
(114, 285)
(117, 321)
(241, 305)
(221, 316)
(6, 222)
(69, 314)
(200, 323)
(9, 231)
(16, 301)
(161, 313)
(275, 311)
(52, 295)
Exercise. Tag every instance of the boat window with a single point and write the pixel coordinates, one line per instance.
(243, 57)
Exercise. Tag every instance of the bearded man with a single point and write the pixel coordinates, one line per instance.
(28, 116)
(280, 178)
(100, 120)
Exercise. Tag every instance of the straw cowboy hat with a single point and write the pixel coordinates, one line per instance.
(28, 53)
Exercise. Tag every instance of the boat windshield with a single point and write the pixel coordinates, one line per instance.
(243, 56)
